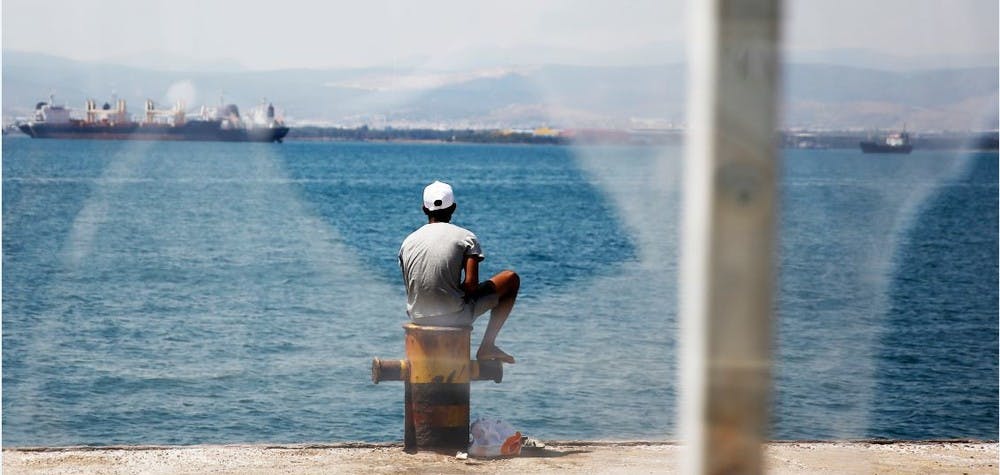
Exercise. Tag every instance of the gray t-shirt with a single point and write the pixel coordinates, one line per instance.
(432, 260)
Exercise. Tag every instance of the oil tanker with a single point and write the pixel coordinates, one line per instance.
(112, 122)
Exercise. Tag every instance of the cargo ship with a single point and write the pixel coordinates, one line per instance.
(112, 122)
(892, 143)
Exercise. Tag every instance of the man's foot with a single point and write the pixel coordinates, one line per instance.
(493, 353)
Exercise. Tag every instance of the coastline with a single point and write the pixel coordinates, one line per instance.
(972, 141)
(583, 457)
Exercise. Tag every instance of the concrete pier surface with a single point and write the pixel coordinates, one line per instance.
(868, 457)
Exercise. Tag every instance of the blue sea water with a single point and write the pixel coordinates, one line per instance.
(184, 293)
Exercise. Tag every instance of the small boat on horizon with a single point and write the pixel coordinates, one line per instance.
(892, 143)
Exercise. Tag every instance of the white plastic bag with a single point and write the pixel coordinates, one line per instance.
(493, 438)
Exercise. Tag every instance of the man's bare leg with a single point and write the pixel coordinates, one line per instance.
(506, 283)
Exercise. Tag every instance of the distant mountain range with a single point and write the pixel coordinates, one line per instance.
(817, 95)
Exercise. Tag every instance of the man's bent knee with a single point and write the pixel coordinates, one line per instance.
(515, 280)
(507, 282)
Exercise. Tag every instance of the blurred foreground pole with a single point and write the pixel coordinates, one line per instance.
(727, 264)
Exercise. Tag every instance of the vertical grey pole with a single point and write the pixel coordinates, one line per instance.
(727, 263)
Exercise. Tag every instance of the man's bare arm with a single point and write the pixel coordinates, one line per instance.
(471, 276)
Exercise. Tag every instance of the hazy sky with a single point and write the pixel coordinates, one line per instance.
(271, 34)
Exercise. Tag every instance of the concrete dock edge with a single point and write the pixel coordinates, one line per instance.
(575, 456)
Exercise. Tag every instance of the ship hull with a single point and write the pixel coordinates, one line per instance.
(191, 131)
(875, 147)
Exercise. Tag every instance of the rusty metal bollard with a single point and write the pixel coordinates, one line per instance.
(436, 374)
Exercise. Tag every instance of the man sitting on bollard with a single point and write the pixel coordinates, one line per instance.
(433, 259)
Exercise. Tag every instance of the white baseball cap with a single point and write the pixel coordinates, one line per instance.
(438, 195)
